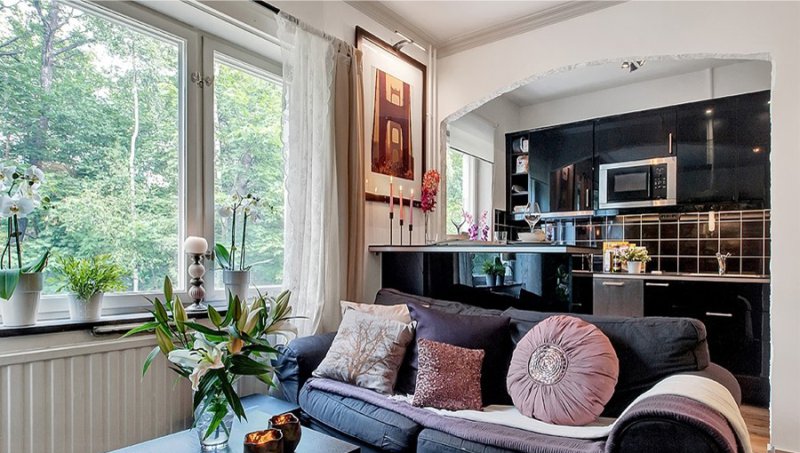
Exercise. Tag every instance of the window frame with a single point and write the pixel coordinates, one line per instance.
(195, 162)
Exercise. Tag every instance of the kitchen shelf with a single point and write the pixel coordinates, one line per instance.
(519, 174)
(519, 193)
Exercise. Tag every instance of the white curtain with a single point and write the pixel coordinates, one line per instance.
(312, 266)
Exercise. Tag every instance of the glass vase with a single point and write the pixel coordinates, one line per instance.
(204, 416)
(425, 226)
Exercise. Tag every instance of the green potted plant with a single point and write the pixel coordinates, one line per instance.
(634, 256)
(488, 270)
(235, 270)
(499, 271)
(88, 279)
(20, 284)
(213, 356)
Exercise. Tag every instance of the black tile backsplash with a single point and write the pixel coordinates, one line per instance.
(686, 243)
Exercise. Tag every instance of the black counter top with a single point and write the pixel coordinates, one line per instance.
(680, 276)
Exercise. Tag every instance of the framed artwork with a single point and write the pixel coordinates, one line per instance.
(394, 115)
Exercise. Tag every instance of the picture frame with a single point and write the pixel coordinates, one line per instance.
(395, 93)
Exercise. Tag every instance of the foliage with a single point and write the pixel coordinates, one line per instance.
(494, 267)
(633, 253)
(213, 358)
(89, 276)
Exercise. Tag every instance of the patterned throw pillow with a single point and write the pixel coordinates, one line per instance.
(367, 351)
(563, 372)
(397, 312)
(449, 377)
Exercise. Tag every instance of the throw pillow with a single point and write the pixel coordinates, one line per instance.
(396, 312)
(489, 333)
(366, 351)
(449, 377)
(563, 372)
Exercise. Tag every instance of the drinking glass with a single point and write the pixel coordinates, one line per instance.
(501, 237)
(458, 221)
(532, 215)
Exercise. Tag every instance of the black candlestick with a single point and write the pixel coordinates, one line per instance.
(401, 231)
(391, 226)
(410, 229)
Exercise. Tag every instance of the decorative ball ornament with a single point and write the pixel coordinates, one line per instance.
(196, 270)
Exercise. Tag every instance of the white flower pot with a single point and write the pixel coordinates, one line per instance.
(85, 310)
(236, 283)
(23, 306)
(634, 267)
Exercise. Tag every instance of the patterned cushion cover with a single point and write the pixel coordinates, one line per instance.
(563, 372)
(396, 312)
(367, 351)
(449, 377)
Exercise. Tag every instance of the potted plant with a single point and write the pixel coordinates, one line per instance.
(88, 279)
(20, 284)
(488, 270)
(213, 357)
(499, 272)
(235, 270)
(634, 256)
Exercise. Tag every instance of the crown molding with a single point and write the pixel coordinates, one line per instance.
(524, 24)
(385, 16)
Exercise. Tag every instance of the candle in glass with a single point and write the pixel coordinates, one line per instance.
(411, 208)
(391, 195)
(401, 202)
(195, 245)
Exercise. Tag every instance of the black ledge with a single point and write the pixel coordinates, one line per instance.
(68, 325)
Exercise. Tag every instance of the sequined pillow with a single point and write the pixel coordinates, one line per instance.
(366, 351)
(448, 377)
(563, 372)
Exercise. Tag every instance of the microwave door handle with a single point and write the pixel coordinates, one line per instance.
(649, 183)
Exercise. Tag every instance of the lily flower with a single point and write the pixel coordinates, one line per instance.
(16, 205)
(203, 357)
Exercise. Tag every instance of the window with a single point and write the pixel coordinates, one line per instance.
(97, 103)
(248, 155)
(455, 189)
(469, 189)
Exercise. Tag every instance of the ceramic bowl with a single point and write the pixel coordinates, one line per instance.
(534, 236)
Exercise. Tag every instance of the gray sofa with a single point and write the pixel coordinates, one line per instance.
(649, 349)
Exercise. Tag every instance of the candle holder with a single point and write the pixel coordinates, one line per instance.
(266, 441)
(391, 227)
(410, 229)
(196, 290)
(289, 425)
(401, 231)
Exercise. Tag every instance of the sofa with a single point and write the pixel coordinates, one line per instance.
(649, 349)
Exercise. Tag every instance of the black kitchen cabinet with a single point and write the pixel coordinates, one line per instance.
(561, 167)
(635, 136)
(723, 152)
(736, 316)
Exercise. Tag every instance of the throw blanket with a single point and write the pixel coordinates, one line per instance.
(516, 432)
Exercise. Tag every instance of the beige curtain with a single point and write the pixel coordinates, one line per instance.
(349, 145)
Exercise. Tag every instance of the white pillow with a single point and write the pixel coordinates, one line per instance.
(397, 313)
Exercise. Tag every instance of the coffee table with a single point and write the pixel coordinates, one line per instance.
(259, 409)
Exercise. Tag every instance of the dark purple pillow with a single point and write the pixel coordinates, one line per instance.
(490, 333)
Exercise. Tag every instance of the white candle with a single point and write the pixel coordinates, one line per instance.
(195, 245)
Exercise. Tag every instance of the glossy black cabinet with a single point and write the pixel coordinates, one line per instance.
(723, 152)
(635, 136)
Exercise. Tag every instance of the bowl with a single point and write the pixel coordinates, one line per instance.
(533, 236)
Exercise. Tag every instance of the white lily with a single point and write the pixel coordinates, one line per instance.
(16, 205)
(185, 358)
(203, 357)
(34, 175)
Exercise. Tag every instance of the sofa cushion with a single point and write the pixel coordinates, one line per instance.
(489, 333)
(388, 296)
(649, 349)
(563, 372)
(398, 313)
(373, 425)
(449, 377)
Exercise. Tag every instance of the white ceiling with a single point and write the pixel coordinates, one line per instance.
(603, 76)
(445, 21)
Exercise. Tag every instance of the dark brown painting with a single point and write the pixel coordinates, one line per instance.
(392, 154)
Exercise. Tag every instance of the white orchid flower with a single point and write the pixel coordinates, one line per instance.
(6, 176)
(225, 211)
(29, 192)
(16, 205)
(34, 175)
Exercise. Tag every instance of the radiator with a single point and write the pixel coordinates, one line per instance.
(86, 394)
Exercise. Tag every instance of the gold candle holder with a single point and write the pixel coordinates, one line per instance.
(266, 441)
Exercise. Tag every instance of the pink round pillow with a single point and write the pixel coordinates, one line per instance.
(563, 372)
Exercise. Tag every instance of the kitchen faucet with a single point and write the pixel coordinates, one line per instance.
(722, 262)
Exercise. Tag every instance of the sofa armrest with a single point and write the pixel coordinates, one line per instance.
(670, 423)
(297, 360)
(724, 377)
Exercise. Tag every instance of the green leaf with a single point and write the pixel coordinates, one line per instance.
(219, 414)
(260, 348)
(265, 378)
(160, 312)
(179, 314)
(8, 282)
(38, 265)
(149, 359)
(230, 395)
(146, 327)
(164, 342)
(204, 330)
(167, 288)
(214, 316)
(243, 365)
(223, 256)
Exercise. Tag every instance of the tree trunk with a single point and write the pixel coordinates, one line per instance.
(51, 23)
(132, 153)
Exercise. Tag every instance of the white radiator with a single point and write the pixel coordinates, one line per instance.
(75, 393)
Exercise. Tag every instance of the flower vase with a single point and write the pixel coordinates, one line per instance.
(236, 283)
(499, 279)
(23, 306)
(204, 417)
(634, 267)
(425, 226)
(85, 310)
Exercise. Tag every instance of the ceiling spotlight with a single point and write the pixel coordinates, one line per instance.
(404, 41)
(632, 65)
(757, 149)
(709, 111)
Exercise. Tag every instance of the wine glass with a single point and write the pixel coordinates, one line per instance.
(532, 215)
(458, 221)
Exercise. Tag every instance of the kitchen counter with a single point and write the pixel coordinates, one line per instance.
(679, 276)
(484, 247)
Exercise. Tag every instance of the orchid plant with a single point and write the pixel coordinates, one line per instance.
(213, 357)
(19, 197)
(242, 204)
(430, 188)
(478, 231)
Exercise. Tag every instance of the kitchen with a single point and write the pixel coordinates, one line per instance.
(580, 144)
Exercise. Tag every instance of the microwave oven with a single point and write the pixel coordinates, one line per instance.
(638, 184)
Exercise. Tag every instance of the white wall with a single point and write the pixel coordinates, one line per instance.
(643, 29)
(711, 83)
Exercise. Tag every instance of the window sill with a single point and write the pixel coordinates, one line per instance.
(63, 324)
